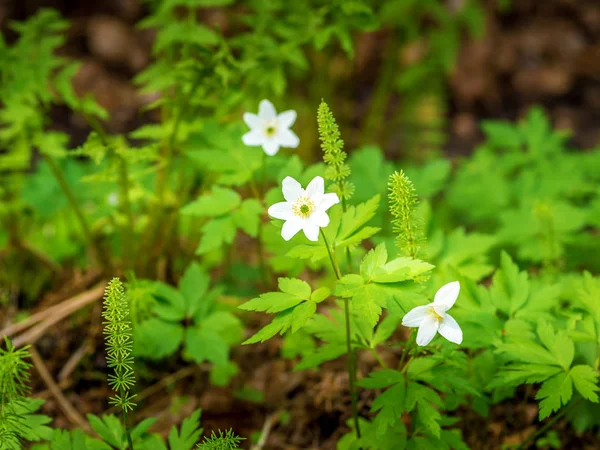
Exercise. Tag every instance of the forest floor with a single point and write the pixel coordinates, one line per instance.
(540, 52)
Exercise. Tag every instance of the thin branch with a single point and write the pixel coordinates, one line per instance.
(55, 315)
(70, 412)
(266, 430)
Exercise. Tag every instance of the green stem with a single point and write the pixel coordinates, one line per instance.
(126, 421)
(334, 264)
(380, 99)
(128, 240)
(549, 424)
(264, 270)
(378, 358)
(351, 354)
(155, 224)
(64, 185)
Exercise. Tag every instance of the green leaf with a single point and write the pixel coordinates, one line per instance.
(294, 292)
(218, 202)
(368, 302)
(320, 294)
(401, 269)
(156, 339)
(348, 284)
(353, 219)
(429, 417)
(510, 288)
(294, 286)
(302, 313)
(141, 428)
(585, 380)
(108, 428)
(559, 344)
(373, 260)
(170, 305)
(381, 379)
(203, 344)
(193, 286)
(247, 217)
(189, 434)
(280, 324)
(555, 391)
(216, 233)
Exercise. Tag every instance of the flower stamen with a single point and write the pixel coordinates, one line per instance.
(303, 207)
(271, 128)
(431, 310)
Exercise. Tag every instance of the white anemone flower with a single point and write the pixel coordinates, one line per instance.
(269, 129)
(433, 318)
(303, 209)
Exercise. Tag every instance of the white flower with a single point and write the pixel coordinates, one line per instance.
(303, 209)
(433, 318)
(270, 129)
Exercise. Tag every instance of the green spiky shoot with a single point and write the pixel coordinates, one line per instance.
(334, 155)
(226, 441)
(119, 345)
(14, 386)
(403, 201)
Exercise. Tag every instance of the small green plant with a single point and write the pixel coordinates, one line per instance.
(119, 347)
(17, 421)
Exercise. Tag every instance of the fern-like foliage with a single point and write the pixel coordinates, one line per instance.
(403, 201)
(224, 441)
(14, 386)
(119, 344)
(334, 155)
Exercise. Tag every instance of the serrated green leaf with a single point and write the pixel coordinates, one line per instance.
(585, 380)
(294, 286)
(555, 391)
(302, 313)
(189, 434)
(280, 324)
(381, 379)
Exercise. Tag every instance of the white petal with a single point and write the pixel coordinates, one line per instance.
(287, 118)
(316, 188)
(415, 316)
(290, 228)
(447, 294)
(311, 231)
(253, 137)
(252, 120)
(281, 210)
(287, 138)
(320, 218)
(427, 330)
(270, 147)
(440, 309)
(450, 329)
(327, 201)
(291, 189)
(266, 110)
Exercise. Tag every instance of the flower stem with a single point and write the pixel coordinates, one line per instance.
(378, 358)
(548, 424)
(64, 185)
(350, 352)
(126, 421)
(334, 264)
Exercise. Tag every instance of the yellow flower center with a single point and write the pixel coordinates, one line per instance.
(271, 128)
(303, 207)
(433, 312)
